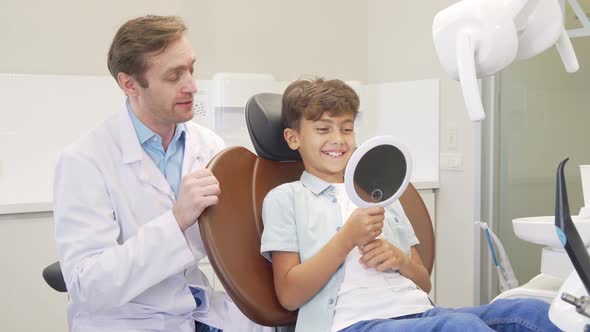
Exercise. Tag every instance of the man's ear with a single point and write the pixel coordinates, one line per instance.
(292, 138)
(128, 84)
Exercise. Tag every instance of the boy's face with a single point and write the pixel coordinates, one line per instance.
(325, 145)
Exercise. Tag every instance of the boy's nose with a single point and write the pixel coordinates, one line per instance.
(337, 137)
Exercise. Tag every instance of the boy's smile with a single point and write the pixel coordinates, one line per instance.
(325, 144)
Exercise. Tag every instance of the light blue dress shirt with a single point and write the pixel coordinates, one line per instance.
(170, 161)
(302, 216)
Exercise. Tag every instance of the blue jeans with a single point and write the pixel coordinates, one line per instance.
(501, 315)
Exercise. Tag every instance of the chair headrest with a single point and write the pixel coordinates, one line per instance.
(263, 118)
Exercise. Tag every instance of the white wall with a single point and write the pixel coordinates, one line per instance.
(283, 38)
(401, 49)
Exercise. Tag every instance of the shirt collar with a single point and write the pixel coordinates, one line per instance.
(144, 133)
(313, 183)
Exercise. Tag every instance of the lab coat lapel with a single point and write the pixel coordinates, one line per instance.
(148, 172)
(192, 159)
(135, 156)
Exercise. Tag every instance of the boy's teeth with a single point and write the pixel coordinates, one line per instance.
(334, 154)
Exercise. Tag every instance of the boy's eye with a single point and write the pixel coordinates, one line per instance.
(348, 130)
(172, 78)
(322, 130)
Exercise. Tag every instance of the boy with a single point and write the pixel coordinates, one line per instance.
(350, 269)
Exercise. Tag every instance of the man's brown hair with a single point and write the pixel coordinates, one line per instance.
(311, 98)
(139, 37)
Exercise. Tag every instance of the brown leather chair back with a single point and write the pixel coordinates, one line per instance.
(416, 211)
(231, 231)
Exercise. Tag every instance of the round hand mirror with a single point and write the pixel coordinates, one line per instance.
(378, 172)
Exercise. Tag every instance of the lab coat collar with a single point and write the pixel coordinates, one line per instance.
(131, 149)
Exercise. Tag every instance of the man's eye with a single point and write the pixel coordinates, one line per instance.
(172, 78)
(348, 130)
(322, 130)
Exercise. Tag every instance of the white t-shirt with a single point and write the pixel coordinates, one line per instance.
(367, 294)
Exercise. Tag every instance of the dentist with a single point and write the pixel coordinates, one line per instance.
(128, 194)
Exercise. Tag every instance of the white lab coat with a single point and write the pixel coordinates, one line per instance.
(125, 261)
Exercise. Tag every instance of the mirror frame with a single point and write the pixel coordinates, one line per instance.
(357, 156)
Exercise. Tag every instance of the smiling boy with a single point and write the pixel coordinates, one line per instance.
(351, 269)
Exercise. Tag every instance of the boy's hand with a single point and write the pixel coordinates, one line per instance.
(382, 255)
(364, 225)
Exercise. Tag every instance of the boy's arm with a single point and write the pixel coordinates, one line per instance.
(296, 282)
(382, 255)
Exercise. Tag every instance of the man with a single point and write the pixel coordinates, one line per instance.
(128, 195)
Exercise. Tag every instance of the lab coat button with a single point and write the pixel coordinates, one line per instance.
(331, 301)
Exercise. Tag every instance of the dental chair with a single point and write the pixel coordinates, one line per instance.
(231, 230)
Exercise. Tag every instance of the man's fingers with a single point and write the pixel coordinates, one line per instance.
(209, 190)
(210, 200)
(205, 181)
(200, 173)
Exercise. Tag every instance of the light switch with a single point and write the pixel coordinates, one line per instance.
(451, 136)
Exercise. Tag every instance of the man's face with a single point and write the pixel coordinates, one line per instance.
(168, 97)
(325, 145)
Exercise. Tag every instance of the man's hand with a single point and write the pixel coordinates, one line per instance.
(382, 255)
(198, 190)
(364, 225)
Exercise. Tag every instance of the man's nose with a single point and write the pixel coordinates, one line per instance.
(189, 85)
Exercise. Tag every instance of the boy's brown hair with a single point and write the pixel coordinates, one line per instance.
(311, 98)
(139, 37)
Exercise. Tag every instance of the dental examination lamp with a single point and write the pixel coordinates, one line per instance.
(477, 38)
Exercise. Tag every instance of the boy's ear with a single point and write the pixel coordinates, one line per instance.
(292, 138)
